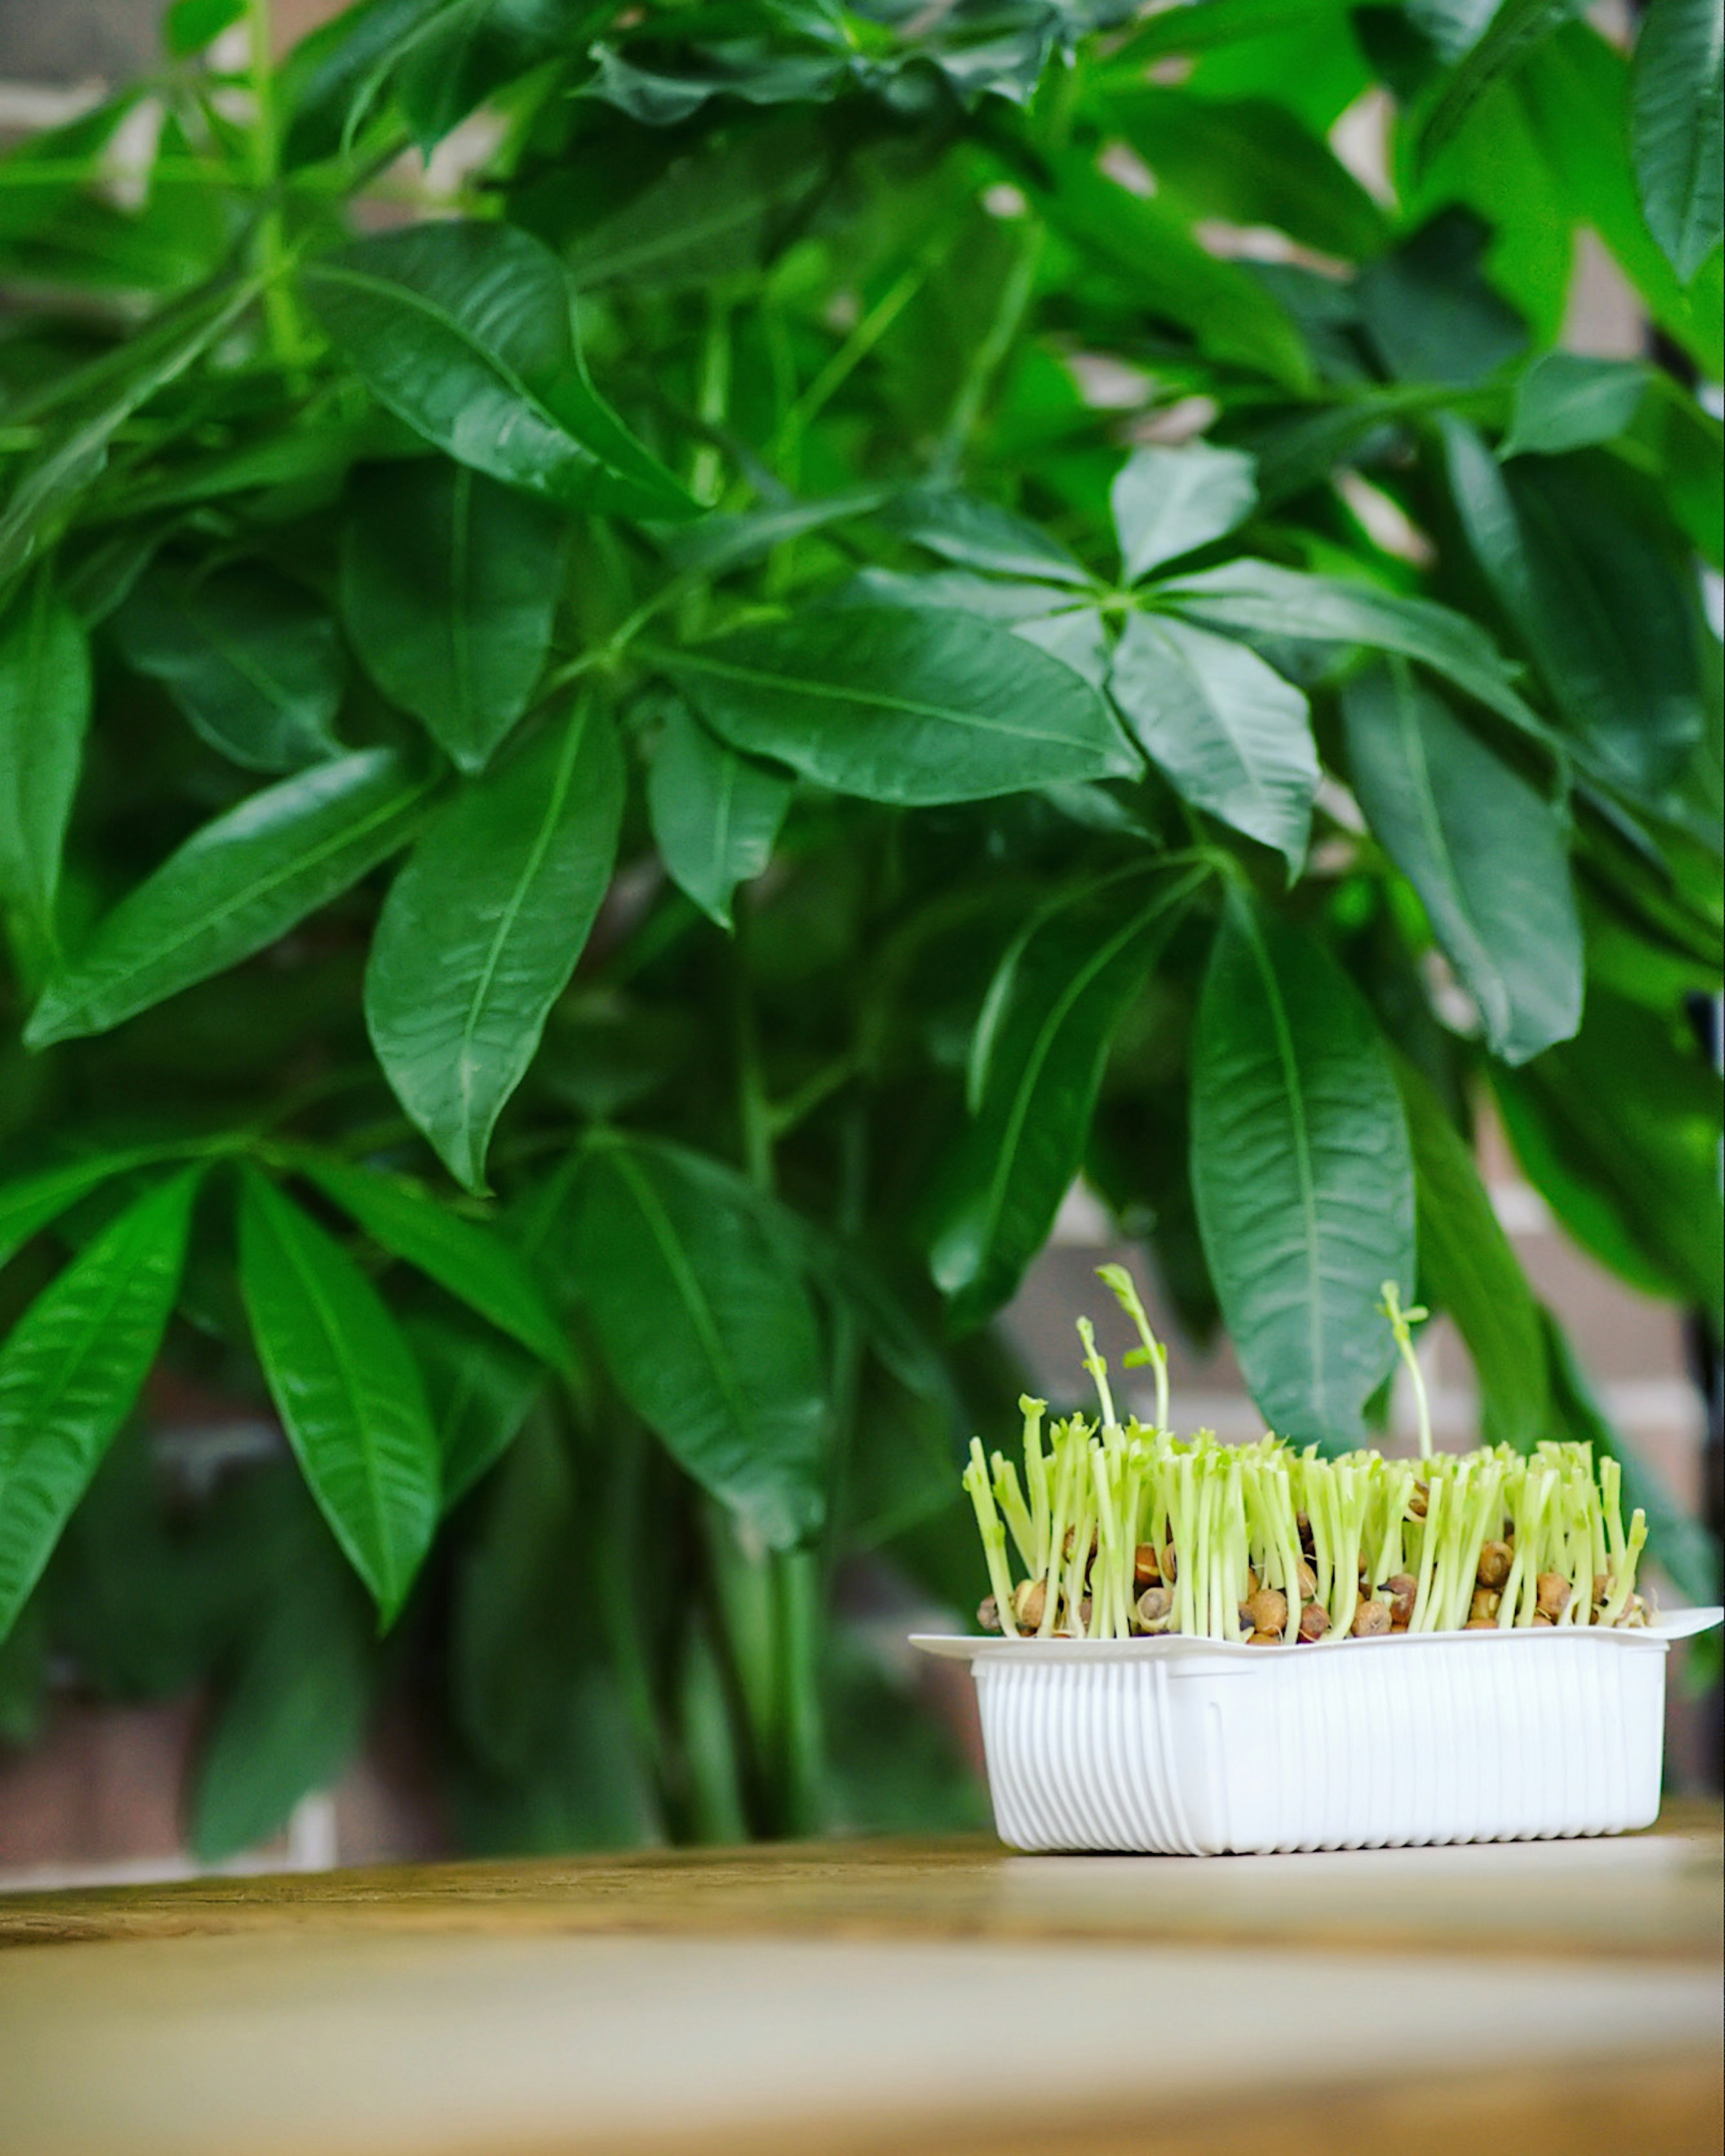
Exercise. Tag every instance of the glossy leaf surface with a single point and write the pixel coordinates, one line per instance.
(44, 711)
(449, 585)
(464, 332)
(1483, 849)
(1233, 736)
(234, 887)
(715, 813)
(1257, 598)
(1677, 127)
(1041, 1043)
(348, 1389)
(1468, 1268)
(253, 661)
(71, 1368)
(467, 1258)
(706, 1328)
(1170, 502)
(1302, 1175)
(456, 997)
(901, 704)
(1569, 401)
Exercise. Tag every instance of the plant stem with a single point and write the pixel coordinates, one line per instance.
(280, 317)
(992, 353)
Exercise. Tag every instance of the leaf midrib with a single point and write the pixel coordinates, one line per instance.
(467, 1063)
(1295, 1093)
(346, 1377)
(103, 984)
(689, 1290)
(403, 296)
(910, 707)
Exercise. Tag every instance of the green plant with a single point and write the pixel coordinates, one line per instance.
(605, 794)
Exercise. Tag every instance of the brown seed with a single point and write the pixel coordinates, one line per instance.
(1170, 1564)
(987, 1615)
(1264, 1640)
(1268, 1609)
(1253, 1584)
(1496, 1559)
(1308, 1583)
(1314, 1621)
(1602, 1589)
(1402, 1591)
(1540, 1617)
(1155, 1606)
(1416, 1503)
(1029, 1599)
(1481, 1624)
(1554, 1595)
(1370, 1619)
(1147, 1569)
(1485, 1604)
(1084, 1610)
(1304, 1526)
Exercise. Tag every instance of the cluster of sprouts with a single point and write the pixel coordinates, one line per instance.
(1123, 1529)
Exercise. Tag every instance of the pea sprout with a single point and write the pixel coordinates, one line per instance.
(1121, 1528)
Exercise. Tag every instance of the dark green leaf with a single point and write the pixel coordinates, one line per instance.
(1428, 310)
(1170, 502)
(1147, 245)
(467, 49)
(1574, 89)
(1600, 605)
(719, 543)
(101, 397)
(234, 887)
(1619, 1131)
(348, 1391)
(294, 1710)
(715, 814)
(71, 1368)
(457, 994)
(1515, 28)
(28, 1205)
(724, 208)
(1232, 736)
(480, 1391)
(1303, 1174)
(190, 25)
(1676, 1541)
(44, 710)
(900, 704)
(334, 80)
(252, 659)
(449, 585)
(1482, 848)
(1256, 598)
(470, 1259)
(1468, 1268)
(464, 332)
(1251, 161)
(1566, 401)
(1677, 127)
(978, 535)
(706, 1328)
(1041, 1043)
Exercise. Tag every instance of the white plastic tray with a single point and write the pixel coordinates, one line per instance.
(1194, 1747)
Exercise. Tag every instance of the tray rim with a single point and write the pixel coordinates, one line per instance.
(1671, 1624)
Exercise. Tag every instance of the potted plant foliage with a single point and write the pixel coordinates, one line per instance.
(659, 666)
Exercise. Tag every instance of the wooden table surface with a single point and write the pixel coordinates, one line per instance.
(931, 2000)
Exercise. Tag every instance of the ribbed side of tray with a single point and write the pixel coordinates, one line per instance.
(1442, 1739)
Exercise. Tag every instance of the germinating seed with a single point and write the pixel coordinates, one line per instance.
(1131, 1531)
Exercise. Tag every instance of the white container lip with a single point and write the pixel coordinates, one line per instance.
(967, 1647)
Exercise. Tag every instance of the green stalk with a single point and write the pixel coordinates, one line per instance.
(280, 316)
(1401, 1323)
